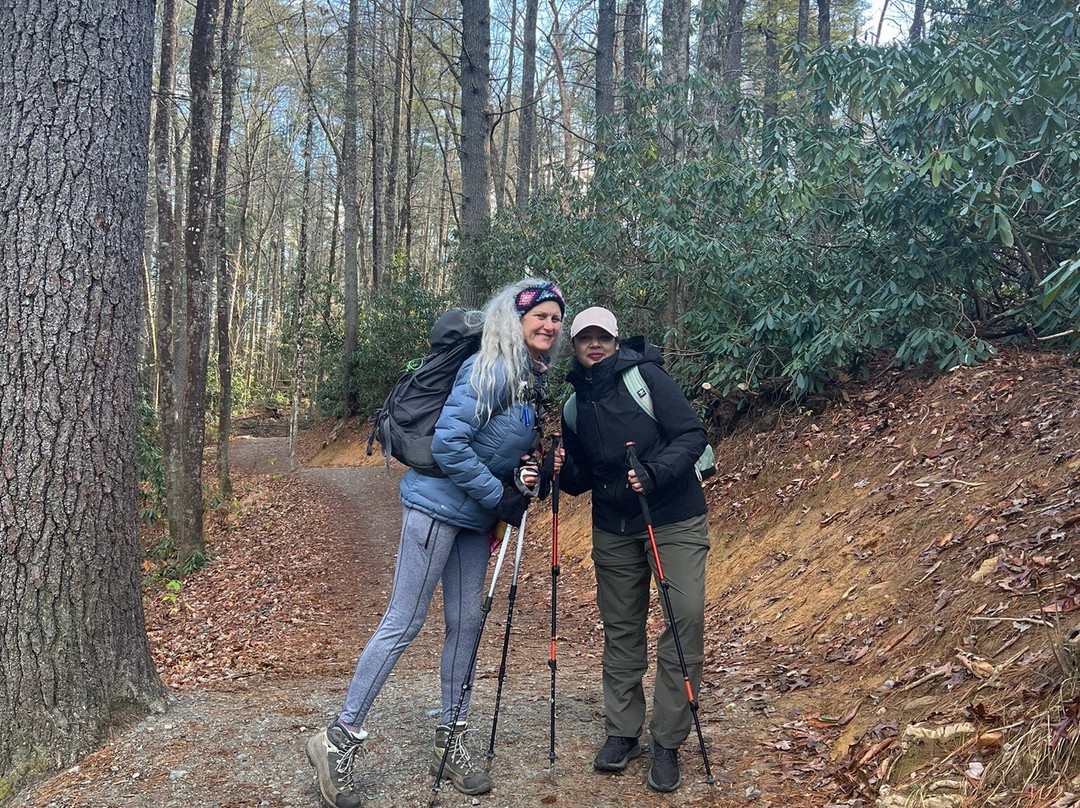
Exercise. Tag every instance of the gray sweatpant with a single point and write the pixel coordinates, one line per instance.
(624, 568)
(429, 551)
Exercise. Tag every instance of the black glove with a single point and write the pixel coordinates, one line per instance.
(648, 484)
(547, 474)
(511, 506)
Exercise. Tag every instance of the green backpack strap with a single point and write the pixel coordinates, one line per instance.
(639, 391)
(569, 412)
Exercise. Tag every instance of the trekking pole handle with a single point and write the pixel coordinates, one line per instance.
(556, 439)
(633, 462)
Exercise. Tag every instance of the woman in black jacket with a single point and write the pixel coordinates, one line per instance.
(605, 413)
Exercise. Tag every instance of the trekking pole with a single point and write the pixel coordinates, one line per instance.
(506, 641)
(466, 685)
(552, 662)
(639, 470)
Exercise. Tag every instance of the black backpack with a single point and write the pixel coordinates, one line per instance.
(405, 423)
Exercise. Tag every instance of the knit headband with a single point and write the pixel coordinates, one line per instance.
(533, 296)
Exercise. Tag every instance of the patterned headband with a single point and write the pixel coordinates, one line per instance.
(533, 296)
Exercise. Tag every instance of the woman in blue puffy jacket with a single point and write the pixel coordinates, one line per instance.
(487, 427)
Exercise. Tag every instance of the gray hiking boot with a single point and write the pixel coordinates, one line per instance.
(465, 775)
(332, 752)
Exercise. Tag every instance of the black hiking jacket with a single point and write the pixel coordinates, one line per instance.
(608, 417)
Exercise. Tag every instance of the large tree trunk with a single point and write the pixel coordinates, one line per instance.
(351, 236)
(475, 128)
(75, 89)
(190, 544)
(167, 260)
(230, 58)
(527, 121)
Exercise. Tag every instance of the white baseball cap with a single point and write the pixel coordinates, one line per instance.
(595, 315)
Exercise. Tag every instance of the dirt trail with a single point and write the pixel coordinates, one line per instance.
(238, 740)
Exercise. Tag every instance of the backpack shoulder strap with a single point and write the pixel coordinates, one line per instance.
(569, 412)
(639, 390)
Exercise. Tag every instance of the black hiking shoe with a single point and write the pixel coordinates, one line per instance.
(332, 752)
(664, 773)
(465, 775)
(616, 753)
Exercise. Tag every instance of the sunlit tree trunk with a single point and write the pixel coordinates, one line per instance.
(189, 536)
(231, 30)
(527, 119)
(75, 89)
(605, 59)
(167, 259)
(633, 50)
(475, 130)
(350, 237)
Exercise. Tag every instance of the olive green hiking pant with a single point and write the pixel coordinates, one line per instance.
(624, 568)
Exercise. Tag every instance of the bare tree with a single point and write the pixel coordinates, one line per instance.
(605, 59)
(633, 53)
(75, 649)
(475, 130)
(167, 259)
(351, 236)
(230, 57)
(303, 252)
(527, 122)
(188, 537)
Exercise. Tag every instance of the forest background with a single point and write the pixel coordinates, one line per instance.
(763, 188)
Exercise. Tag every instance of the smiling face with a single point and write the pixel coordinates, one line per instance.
(592, 345)
(541, 325)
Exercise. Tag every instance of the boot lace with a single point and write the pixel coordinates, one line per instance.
(459, 755)
(347, 760)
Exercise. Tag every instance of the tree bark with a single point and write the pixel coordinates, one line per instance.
(731, 70)
(475, 130)
(527, 121)
(378, 151)
(633, 55)
(605, 60)
(351, 236)
(675, 67)
(393, 235)
(230, 58)
(190, 544)
(916, 32)
(75, 117)
(824, 29)
(303, 256)
(167, 259)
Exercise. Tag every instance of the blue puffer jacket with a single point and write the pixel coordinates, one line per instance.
(477, 459)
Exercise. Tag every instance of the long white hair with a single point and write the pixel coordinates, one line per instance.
(503, 358)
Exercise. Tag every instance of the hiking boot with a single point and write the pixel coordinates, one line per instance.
(332, 752)
(465, 775)
(616, 753)
(664, 773)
